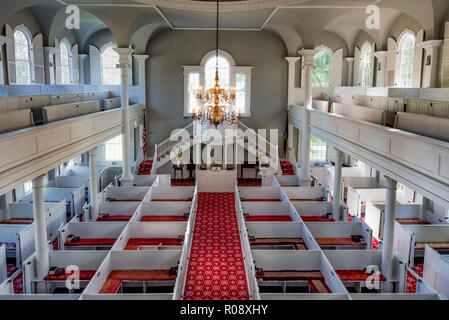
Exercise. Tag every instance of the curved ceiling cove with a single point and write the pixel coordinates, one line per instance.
(225, 5)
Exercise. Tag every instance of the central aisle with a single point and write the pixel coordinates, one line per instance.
(216, 270)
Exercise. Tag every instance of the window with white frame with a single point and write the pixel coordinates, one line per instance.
(404, 67)
(231, 76)
(318, 150)
(27, 186)
(64, 55)
(113, 149)
(22, 51)
(109, 71)
(366, 57)
(321, 75)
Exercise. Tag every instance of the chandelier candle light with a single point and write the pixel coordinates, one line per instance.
(219, 103)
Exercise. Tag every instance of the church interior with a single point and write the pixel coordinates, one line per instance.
(224, 150)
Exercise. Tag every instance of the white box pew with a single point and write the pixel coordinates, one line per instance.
(295, 269)
(359, 113)
(128, 296)
(112, 103)
(157, 193)
(428, 107)
(66, 111)
(436, 271)
(121, 194)
(404, 213)
(92, 235)
(86, 262)
(115, 211)
(304, 296)
(142, 261)
(286, 232)
(314, 210)
(410, 240)
(15, 120)
(428, 126)
(269, 211)
(338, 235)
(3, 264)
(145, 180)
(286, 181)
(75, 198)
(306, 193)
(348, 174)
(351, 267)
(163, 211)
(108, 175)
(152, 236)
(395, 296)
(321, 105)
(8, 238)
(259, 194)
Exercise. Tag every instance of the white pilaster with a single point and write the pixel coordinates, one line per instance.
(49, 65)
(430, 71)
(308, 66)
(40, 227)
(350, 62)
(388, 240)
(381, 73)
(141, 58)
(81, 60)
(291, 78)
(93, 181)
(337, 185)
(124, 66)
(290, 141)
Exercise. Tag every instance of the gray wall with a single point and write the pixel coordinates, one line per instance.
(172, 49)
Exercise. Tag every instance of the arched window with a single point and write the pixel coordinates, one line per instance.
(109, 71)
(404, 67)
(231, 76)
(22, 50)
(321, 75)
(65, 62)
(366, 65)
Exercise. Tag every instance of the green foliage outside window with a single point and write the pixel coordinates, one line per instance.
(322, 74)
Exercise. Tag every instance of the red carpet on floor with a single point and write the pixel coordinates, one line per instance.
(249, 182)
(145, 167)
(216, 270)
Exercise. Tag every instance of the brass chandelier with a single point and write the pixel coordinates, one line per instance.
(217, 100)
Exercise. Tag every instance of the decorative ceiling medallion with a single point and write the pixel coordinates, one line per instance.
(229, 5)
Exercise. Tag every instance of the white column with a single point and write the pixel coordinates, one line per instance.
(291, 78)
(126, 152)
(381, 75)
(350, 62)
(337, 185)
(289, 150)
(49, 64)
(431, 71)
(308, 66)
(388, 240)
(81, 60)
(93, 180)
(40, 227)
(141, 58)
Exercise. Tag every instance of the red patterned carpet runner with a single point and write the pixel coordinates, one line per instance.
(216, 269)
(287, 168)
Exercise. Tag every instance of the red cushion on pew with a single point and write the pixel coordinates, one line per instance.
(357, 275)
(163, 218)
(115, 218)
(124, 200)
(18, 221)
(268, 218)
(262, 200)
(134, 243)
(91, 242)
(111, 286)
(316, 219)
(84, 275)
(319, 286)
(338, 242)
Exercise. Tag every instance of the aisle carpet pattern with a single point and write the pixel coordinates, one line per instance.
(216, 269)
(145, 168)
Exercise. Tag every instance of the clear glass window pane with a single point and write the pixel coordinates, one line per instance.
(318, 150)
(113, 149)
(406, 55)
(27, 186)
(109, 61)
(240, 101)
(193, 85)
(223, 72)
(321, 75)
(22, 56)
(366, 59)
